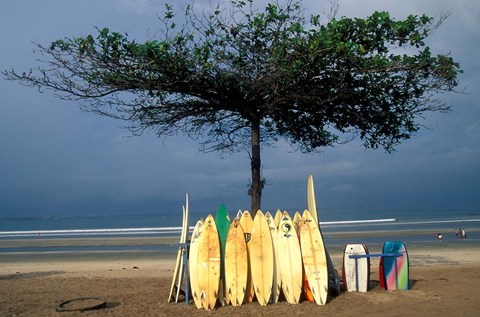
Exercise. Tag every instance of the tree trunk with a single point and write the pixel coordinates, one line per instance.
(255, 161)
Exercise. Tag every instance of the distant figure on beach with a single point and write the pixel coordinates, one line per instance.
(439, 237)
(461, 233)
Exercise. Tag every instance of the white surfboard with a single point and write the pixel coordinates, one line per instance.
(178, 273)
(314, 258)
(291, 268)
(277, 279)
(192, 261)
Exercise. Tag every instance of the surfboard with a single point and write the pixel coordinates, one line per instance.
(222, 221)
(236, 264)
(307, 292)
(314, 258)
(239, 215)
(312, 205)
(278, 217)
(208, 263)
(352, 281)
(333, 276)
(192, 263)
(291, 267)
(185, 229)
(390, 270)
(178, 273)
(297, 217)
(277, 280)
(247, 224)
(261, 258)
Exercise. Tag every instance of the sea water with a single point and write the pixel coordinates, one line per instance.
(338, 227)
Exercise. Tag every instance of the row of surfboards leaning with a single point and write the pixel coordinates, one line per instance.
(260, 257)
(270, 258)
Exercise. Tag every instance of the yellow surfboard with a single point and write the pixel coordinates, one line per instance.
(297, 217)
(236, 264)
(247, 224)
(192, 263)
(277, 280)
(314, 258)
(261, 258)
(334, 286)
(291, 268)
(278, 217)
(208, 263)
(312, 205)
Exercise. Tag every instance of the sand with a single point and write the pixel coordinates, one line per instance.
(444, 280)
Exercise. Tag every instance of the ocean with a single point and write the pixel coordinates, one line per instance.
(371, 227)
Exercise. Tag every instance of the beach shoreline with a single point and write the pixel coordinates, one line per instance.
(444, 281)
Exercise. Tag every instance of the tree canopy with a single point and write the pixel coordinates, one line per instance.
(239, 77)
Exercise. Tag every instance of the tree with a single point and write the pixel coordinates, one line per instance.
(239, 77)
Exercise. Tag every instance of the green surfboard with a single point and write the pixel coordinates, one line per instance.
(222, 221)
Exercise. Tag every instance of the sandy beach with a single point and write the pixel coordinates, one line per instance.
(444, 282)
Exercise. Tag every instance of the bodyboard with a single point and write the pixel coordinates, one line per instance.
(349, 271)
(380, 273)
(401, 270)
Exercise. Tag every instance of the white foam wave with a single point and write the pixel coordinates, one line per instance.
(86, 232)
(351, 222)
(439, 221)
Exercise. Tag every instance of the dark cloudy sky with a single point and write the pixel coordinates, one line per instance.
(58, 160)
